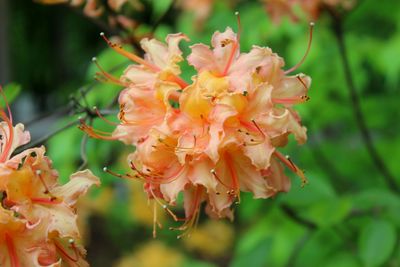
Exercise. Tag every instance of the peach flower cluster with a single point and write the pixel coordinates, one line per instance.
(212, 138)
(37, 214)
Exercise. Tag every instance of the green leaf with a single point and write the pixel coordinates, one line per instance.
(342, 259)
(329, 212)
(11, 91)
(257, 257)
(376, 242)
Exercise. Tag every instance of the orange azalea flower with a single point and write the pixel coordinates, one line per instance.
(37, 215)
(216, 137)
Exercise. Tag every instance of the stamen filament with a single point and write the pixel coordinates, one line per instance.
(103, 118)
(131, 56)
(65, 254)
(293, 167)
(291, 100)
(9, 140)
(234, 47)
(11, 251)
(307, 51)
(107, 75)
(40, 200)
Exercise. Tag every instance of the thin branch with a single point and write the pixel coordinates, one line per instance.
(84, 149)
(356, 106)
(43, 139)
(292, 214)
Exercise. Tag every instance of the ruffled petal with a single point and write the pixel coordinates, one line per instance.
(260, 154)
(276, 177)
(223, 44)
(292, 86)
(202, 58)
(171, 190)
(162, 55)
(77, 186)
(139, 76)
(241, 72)
(280, 122)
(19, 137)
(216, 131)
(200, 174)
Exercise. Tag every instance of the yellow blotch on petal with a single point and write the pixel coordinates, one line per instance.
(238, 101)
(19, 185)
(198, 98)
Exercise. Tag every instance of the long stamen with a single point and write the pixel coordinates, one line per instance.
(235, 181)
(7, 105)
(307, 51)
(64, 253)
(96, 110)
(11, 251)
(157, 178)
(191, 221)
(98, 134)
(9, 140)
(50, 201)
(291, 100)
(253, 127)
(106, 75)
(131, 56)
(235, 46)
(154, 220)
(39, 174)
(164, 206)
(214, 173)
(302, 82)
(293, 167)
(126, 176)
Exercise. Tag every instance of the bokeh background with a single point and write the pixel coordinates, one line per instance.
(349, 213)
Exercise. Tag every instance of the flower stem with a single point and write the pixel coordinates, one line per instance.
(356, 106)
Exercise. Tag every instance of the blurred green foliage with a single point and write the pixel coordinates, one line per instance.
(345, 217)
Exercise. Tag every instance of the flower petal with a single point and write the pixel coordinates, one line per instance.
(78, 185)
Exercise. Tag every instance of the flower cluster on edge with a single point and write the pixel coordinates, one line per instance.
(212, 138)
(37, 215)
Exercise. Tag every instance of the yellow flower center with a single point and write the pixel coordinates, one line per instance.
(208, 90)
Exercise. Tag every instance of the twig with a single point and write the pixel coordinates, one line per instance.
(356, 106)
(83, 148)
(43, 139)
(292, 214)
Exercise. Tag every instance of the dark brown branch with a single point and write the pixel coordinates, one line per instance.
(356, 106)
